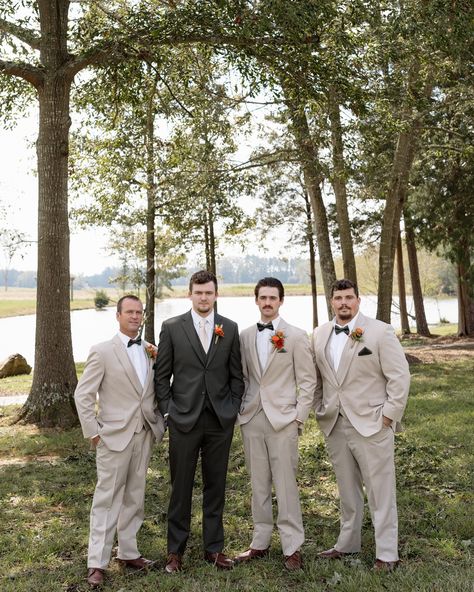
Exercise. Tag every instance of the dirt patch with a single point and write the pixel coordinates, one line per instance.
(439, 349)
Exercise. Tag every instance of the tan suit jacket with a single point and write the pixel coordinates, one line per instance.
(123, 401)
(366, 386)
(285, 387)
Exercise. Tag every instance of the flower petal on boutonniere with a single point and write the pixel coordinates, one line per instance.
(278, 341)
(356, 335)
(151, 351)
(218, 332)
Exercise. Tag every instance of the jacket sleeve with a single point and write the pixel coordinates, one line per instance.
(236, 380)
(85, 395)
(394, 367)
(305, 375)
(164, 369)
(318, 391)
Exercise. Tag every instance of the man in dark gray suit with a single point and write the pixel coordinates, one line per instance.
(199, 385)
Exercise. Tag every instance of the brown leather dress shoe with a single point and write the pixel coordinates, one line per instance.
(251, 554)
(138, 563)
(220, 560)
(293, 562)
(332, 554)
(174, 563)
(380, 565)
(95, 577)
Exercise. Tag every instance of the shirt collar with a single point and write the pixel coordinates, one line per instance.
(275, 322)
(197, 318)
(350, 324)
(125, 338)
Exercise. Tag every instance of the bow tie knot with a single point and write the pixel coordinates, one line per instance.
(338, 329)
(262, 326)
(137, 341)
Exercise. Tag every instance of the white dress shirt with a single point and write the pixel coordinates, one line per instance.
(137, 356)
(264, 346)
(338, 342)
(209, 324)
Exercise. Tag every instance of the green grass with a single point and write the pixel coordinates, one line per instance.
(47, 481)
(13, 308)
(20, 385)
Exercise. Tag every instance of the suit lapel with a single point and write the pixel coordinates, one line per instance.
(349, 352)
(213, 347)
(191, 334)
(323, 341)
(149, 371)
(127, 364)
(283, 327)
(251, 347)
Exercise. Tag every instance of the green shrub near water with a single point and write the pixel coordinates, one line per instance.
(101, 300)
(47, 479)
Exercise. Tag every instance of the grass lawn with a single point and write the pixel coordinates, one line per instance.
(47, 479)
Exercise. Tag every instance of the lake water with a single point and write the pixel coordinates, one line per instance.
(17, 334)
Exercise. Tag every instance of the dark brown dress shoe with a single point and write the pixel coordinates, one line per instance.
(380, 565)
(174, 563)
(220, 560)
(332, 554)
(293, 562)
(251, 554)
(138, 563)
(95, 577)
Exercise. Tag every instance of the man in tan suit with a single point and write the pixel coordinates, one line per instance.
(122, 429)
(280, 380)
(360, 399)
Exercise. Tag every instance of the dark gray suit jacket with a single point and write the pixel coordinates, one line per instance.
(185, 377)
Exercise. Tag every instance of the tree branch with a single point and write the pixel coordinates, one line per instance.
(29, 73)
(23, 35)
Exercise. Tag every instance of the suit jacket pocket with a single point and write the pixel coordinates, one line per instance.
(365, 351)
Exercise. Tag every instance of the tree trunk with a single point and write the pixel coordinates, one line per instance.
(402, 293)
(150, 219)
(465, 302)
(307, 154)
(421, 323)
(50, 402)
(212, 243)
(340, 190)
(396, 195)
(312, 259)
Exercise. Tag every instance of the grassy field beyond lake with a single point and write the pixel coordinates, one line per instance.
(47, 479)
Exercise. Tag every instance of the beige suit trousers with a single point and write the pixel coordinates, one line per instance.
(359, 460)
(273, 456)
(118, 503)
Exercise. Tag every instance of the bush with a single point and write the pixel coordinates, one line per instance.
(101, 299)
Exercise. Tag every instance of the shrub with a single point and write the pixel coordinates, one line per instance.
(101, 299)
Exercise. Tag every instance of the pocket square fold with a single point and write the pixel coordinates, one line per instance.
(365, 351)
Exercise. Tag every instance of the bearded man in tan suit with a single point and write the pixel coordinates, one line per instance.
(280, 380)
(360, 399)
(122, 428)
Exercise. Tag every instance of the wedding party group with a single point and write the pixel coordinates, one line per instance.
(205, 378)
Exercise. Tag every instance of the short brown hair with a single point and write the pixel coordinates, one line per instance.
(202, 277)
(270, 282)
(120, 300)
(344, 285)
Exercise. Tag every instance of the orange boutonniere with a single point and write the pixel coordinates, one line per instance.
(218, 332)
(151, 351)
(278, 341)
(356, 335)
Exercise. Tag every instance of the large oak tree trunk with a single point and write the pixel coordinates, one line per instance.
(465, 301)
(340, 190)
(50, 402)
(312, 259)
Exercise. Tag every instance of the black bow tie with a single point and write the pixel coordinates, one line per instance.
(344, 329)
(137, 341)
(262, 326)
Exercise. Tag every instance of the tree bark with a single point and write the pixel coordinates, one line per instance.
(402, 293)
(339, 187)
(150, 219)
(308, 157)
(312, 259)
(421, 323)
(465, 302)
(50, 402)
